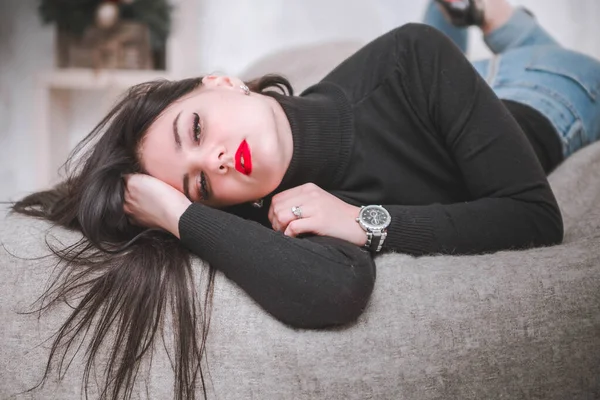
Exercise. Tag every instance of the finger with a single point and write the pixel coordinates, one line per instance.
(276, 216)
(278, 203)
(282, 202)
(270, 213)
(127, 177)
(275, 225)
(282, 218)
(300, 226)
(279, 224)
(288, 216)
(279, 219)
(300, 195)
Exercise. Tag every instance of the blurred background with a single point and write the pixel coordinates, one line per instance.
(63, 62)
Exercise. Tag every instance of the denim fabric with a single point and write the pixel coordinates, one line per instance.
(530, 67)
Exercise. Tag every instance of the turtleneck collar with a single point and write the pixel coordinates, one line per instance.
(322, 130)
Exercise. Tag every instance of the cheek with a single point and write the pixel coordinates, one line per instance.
(229, 188)
(256, 114)
(231, 191)
(163, 165)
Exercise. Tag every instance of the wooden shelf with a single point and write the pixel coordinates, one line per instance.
(56, 91)
(87, 79)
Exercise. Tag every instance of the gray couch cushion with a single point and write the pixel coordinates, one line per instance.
(512, 325)
(303, 65)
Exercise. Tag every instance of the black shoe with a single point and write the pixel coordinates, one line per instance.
(462, 12)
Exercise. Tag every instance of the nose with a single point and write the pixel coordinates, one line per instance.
(219, 161)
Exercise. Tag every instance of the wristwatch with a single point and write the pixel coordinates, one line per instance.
(374, 220)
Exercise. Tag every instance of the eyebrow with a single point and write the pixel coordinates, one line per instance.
(177, 138)
(176, 132)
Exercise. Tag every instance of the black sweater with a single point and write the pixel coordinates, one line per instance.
(406, 122)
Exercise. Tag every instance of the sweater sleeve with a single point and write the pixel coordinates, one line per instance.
(309, 282)
(511, 203)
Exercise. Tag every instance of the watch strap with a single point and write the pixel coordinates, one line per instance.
(381, 240)
(375, 240)
(369, 240)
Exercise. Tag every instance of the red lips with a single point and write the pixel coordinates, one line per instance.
(243, 152)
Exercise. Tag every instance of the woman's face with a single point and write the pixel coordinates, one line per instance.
(218, 145)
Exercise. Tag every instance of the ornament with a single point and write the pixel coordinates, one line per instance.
(107, 15)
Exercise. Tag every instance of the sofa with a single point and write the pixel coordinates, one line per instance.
(509, 325)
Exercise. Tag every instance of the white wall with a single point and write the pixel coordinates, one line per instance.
(231, 35)
(25, 49)
(234, 33)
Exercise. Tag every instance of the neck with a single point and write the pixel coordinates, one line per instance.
(320, 123)
(284, 130)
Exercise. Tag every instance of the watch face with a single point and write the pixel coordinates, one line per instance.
(375, 217)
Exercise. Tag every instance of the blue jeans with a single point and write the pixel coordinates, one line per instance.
(531, 68)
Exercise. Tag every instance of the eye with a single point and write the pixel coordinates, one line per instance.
(196, 128)
(202, 187)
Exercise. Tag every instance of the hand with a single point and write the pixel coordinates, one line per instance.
(323, 214)
(152, 203)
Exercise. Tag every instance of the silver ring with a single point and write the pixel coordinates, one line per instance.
(297, 211)
(245, 89)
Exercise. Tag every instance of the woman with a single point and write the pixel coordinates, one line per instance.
(268, 188)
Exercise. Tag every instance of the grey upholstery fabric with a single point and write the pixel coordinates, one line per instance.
(302, 65)
(510, 325)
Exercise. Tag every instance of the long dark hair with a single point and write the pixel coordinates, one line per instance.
(123, 279)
